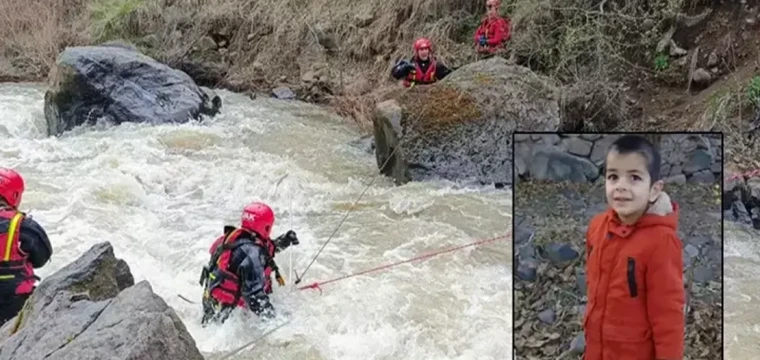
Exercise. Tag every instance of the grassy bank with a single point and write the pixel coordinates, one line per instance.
(340, 52)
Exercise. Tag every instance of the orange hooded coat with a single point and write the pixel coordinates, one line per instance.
(634, 274)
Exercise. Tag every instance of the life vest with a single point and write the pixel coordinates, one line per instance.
(225, 286)
(15, 267)
(419, 77)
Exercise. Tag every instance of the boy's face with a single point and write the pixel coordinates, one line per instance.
(628, 186)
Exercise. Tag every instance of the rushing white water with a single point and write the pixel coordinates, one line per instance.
(162, 194)
(742, 292)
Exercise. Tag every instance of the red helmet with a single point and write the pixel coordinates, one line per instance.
(422, 43)
(259, 218)
(11, 186)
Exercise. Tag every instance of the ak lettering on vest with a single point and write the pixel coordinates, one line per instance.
(419, 77)
(15, 268)
(225, 286)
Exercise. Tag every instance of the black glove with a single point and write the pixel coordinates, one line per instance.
(262, 307)
(405, 67)
(283, 241)
(409, 67)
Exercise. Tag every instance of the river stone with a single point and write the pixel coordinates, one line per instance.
(91, 309)
(553, 164)
(460, 128)
(119, 84)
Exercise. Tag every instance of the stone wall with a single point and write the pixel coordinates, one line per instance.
(579, 157)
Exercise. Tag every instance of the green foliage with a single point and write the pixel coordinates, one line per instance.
(113, 19)
(753, 91)
(661, 62)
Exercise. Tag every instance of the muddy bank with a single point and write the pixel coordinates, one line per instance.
(550, 295)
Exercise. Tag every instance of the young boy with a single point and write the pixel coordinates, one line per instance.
(634, 266)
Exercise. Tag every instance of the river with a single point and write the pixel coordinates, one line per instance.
(742, 292)
(162, 194)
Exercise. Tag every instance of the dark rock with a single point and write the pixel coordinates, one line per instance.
(599, 151)
(527, 269)
(547, 316)
(677, 179)
(732, 182)
(578, 345)
(740, 213)
(460, 128)
(698, 241)
(522, 158)
(580, 282)
(524, 234)
(365, 143)
(691, 251)
(578, 146)
(549, 139)
(560, 254)
(553, 164)
(527, 252)
(119, 85)
(755, 218)
(753, 188)
(283, 93)
(703, 177)
(703, 274)
(206, 69)
(590, 136)
(97, 271)
(699, 160)
(91, 310)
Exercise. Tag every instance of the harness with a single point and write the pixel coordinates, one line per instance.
(15, 267)
(418, 76)
(226, 286)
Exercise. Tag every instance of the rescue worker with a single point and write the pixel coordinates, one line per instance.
(24, 246)
(634, 266)
(242, 262)
(494, 31)
(423, 67)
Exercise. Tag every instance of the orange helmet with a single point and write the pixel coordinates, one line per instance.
(422, 43)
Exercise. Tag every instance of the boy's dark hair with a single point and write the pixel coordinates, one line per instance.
(628, 144)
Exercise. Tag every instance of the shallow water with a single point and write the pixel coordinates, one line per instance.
(162, 194)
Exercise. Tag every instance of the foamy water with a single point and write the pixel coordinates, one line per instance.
(162, 194)
(742, 292)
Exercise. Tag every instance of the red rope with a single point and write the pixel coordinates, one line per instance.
(748, 174)
(316, 285)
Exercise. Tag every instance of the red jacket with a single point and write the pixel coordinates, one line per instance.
(636, 298)
(496, 30)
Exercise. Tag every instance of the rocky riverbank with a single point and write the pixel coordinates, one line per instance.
(550, 295)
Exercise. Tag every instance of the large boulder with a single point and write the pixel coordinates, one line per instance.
(92, 309)
(460, 128)
(120, 84)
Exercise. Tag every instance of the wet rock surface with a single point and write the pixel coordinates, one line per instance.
(551, 220)
(119, 84)
(741, 198)
(460, 128)
(91, 310)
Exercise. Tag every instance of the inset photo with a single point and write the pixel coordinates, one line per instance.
(618, 246)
